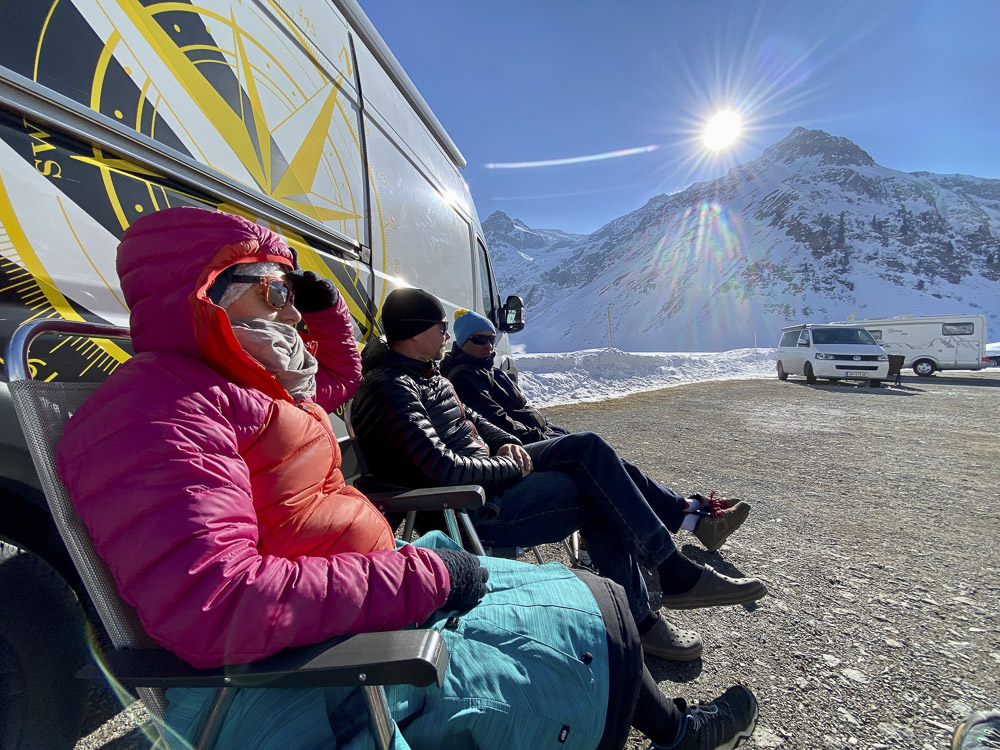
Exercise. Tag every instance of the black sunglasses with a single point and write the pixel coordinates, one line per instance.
(481, 339)
(276, 292)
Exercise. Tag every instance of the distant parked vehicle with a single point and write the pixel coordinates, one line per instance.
(934, 342)
(834, 351)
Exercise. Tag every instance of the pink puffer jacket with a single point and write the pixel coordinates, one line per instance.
(155, 463)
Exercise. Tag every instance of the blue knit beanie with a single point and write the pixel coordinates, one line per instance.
(468, 322)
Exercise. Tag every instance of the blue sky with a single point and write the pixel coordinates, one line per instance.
(913, 82)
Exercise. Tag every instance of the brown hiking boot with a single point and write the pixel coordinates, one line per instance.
(713, 530)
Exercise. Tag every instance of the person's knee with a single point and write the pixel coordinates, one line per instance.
(592, 443)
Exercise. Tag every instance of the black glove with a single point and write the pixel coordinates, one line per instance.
(468, 578)
(312, 292)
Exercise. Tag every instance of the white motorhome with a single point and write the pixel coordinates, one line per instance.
(933, 342)
(293, 113)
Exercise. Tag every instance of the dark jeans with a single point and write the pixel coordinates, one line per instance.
(580, 483)
(666, 503)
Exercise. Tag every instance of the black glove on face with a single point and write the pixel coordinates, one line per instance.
(312, 292)
(468, 578)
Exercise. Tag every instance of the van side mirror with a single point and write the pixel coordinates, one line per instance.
(512, 315)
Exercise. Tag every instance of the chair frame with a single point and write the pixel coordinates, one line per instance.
(454, 502)
(417, 657)
(384, 497)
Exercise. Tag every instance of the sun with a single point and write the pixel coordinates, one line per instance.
(722, 130)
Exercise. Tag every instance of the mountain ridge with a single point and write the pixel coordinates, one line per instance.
(812, 229)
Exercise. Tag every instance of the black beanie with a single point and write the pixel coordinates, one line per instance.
(221, 283)
(408, 312)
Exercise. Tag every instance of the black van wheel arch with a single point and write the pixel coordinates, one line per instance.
(43, 645)
(808, 372)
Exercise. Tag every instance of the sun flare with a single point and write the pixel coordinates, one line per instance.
(722, 130)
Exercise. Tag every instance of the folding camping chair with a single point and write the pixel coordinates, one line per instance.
(367, 660)
(456, 513)
(895, 367)
(454, 502)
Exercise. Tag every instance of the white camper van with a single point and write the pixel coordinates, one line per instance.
(933, 342)
(294, 114)
(834, 351)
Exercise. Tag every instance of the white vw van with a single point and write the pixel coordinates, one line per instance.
(833, 351)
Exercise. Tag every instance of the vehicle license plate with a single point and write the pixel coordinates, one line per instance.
(858, 374)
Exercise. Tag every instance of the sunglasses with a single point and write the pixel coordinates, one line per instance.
(276, 292)
(483, 339)
(441, 325)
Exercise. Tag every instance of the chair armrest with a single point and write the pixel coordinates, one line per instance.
(369, 485)
(412, 657)
(460, 497)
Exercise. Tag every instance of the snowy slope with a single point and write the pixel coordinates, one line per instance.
(601, 374)
(813, 230)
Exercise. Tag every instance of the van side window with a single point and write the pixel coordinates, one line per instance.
(804, 338)
(487, 288)
(958, 329)
(876, 333)
(789, 338)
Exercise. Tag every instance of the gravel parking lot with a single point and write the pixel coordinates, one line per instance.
(875, 524)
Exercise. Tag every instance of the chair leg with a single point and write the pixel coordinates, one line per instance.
(538, 556)
(574, 555)
(471, 533)
(212, 725)
(411, 520)
(453, 532)
(378, 716)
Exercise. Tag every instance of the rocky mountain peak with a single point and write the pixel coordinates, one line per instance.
(813, 230)
(514, 232)
(804, 144)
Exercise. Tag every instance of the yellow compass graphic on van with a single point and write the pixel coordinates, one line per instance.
(275, 125)
(237, 86)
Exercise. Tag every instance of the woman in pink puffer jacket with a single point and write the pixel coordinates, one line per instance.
(190, 430)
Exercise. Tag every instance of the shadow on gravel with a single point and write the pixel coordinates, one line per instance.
(861, 390)
(980, 382)
(675, 671)
(703, 557)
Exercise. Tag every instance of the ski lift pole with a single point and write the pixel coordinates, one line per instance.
(611, 344)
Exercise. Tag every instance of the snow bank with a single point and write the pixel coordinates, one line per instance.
(600, 374)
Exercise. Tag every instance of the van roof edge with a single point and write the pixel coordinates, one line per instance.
(359, 22)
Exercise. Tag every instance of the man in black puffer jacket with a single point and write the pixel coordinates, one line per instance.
(414, 431)
(495, 395)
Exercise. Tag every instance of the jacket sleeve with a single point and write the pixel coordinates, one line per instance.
(473, 387)
(167, 500)
(337, 352)
(401, 444)
(493, 436)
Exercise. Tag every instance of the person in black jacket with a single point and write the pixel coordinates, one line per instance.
(495, 395)
(414, 431)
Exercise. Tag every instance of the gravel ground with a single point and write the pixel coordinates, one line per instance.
(875, 526)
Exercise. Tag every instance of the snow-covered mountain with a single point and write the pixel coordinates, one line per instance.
(812, 231)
